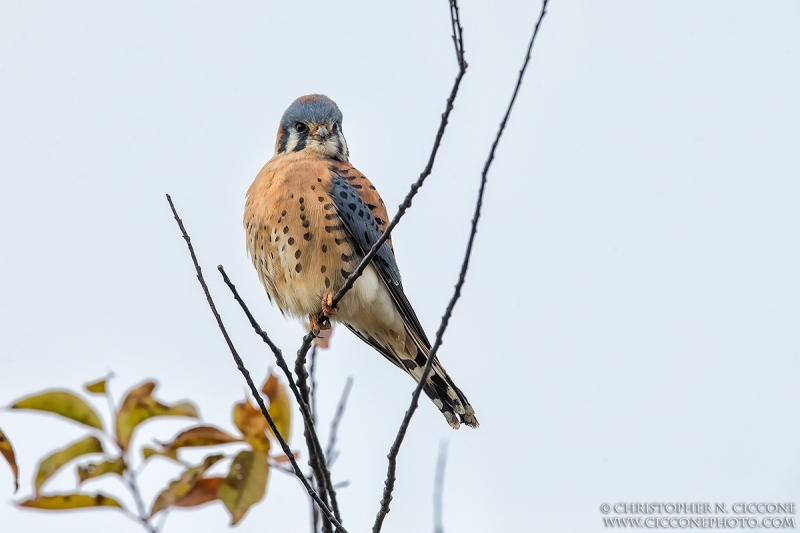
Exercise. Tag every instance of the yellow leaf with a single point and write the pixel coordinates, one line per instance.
(7, 451)
(183, 485)
(149, 451)
(245, 484)
(199, 436)
(280, 407)
(53, 462)
(96, 387)
(62, 403)
(70, 501)
(206, 490)
(139, 406)
(93, 470)
(252, 424)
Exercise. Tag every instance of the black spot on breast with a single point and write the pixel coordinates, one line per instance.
(371, 207)
(302, 208)
(319, 180)
(291, 241)
(345, 273)
(327, 283)
(356, 186)
(327, 206)
(330, 216)
(323, 268)
(346, 258)
(306, 223)
(297, 254)
(380, 221)
(313, 187)
(307, 236)
(285, 230)
(291, 195)
(298, 267)
(324, 248)
(283, 213)
(302, 217)
(371, 186)
(280, 219)
(320, 198)
(302, 200)
(342, 171)
(339, 241)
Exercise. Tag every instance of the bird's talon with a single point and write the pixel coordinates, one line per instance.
(316, 325)
(328, 309)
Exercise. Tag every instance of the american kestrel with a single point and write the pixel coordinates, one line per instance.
(310, 217)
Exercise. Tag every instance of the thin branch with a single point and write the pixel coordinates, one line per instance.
(337, 418)
(313, 384)
(438, 487)
(458, 40)
(305, 411)
(395, 449)
(248, 379)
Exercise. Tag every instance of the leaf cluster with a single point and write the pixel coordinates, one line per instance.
(249, 460)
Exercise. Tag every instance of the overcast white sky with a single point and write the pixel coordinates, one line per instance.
(631, 325)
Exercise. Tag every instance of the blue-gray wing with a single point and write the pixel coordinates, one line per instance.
(362, 227)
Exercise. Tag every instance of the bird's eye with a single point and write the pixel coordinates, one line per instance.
(300, 127)
(335, 126)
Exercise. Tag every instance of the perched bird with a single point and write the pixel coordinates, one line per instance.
(310, 218)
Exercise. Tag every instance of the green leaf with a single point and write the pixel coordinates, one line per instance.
(139, 405)
(182, 486)
(149, 451)
(70, 501)
(62, 403)
(53, 462)
(245, 484)
(96, 387)
(93, 470)
(7, 451)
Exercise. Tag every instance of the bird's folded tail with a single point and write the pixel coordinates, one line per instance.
(443, 392)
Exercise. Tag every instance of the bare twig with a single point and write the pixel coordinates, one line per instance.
(316, 455)
(240, 364)
(313, 384)
(395, 449)
(438, 487)
(337, 418)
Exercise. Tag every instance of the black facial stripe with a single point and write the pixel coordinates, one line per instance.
(284, 139)
(301, 141)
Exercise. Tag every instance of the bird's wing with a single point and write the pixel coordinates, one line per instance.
(361, 225)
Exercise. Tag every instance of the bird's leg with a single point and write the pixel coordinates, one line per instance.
(316, 325)
(328, 309)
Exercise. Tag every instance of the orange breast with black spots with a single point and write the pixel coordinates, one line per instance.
(294, 235)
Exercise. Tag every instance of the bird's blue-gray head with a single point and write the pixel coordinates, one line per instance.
(314, 123)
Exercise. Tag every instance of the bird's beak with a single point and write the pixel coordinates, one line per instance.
(322, 133)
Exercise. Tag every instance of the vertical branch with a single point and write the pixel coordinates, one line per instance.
(438, 488)
(395, 449)
(254, 391)
(337, 418)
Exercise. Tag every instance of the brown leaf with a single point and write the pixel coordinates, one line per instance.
(280, 407)
(62, 403)
(206, 490)
(53, 462)
(245, 484)
(252, 424)
(96, 387)
(139, 406)
(70, 501)
(93, 470)
(7, 451)
(182, 486)
(199, 436)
